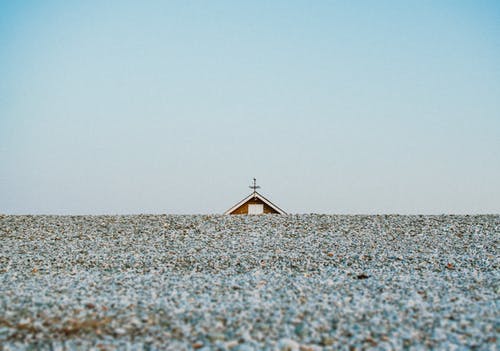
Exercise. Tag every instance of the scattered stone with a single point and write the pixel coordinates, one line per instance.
(243, 283)
(197, 345)
(288, 345)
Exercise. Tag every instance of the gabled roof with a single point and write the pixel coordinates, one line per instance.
(258, 196)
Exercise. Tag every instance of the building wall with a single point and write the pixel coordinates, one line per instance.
(243, 209)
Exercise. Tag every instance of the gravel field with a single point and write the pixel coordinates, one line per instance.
(271, 282)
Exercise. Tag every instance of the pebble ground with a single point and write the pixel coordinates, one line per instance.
(294, 282)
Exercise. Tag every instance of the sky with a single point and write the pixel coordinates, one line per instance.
(336, 107)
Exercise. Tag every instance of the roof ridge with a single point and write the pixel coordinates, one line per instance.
(261, 197)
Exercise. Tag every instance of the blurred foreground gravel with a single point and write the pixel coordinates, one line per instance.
(295, 282)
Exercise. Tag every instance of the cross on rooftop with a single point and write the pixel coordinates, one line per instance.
(254, 186)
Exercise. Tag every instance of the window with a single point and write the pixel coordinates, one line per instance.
(255, 209)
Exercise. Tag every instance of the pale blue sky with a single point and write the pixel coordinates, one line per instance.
(173, 107)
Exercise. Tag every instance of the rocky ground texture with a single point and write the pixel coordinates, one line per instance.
(295, 282)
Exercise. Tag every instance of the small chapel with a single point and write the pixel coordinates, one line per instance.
(254, 204)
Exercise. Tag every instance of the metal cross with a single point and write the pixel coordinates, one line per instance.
(254, 186)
